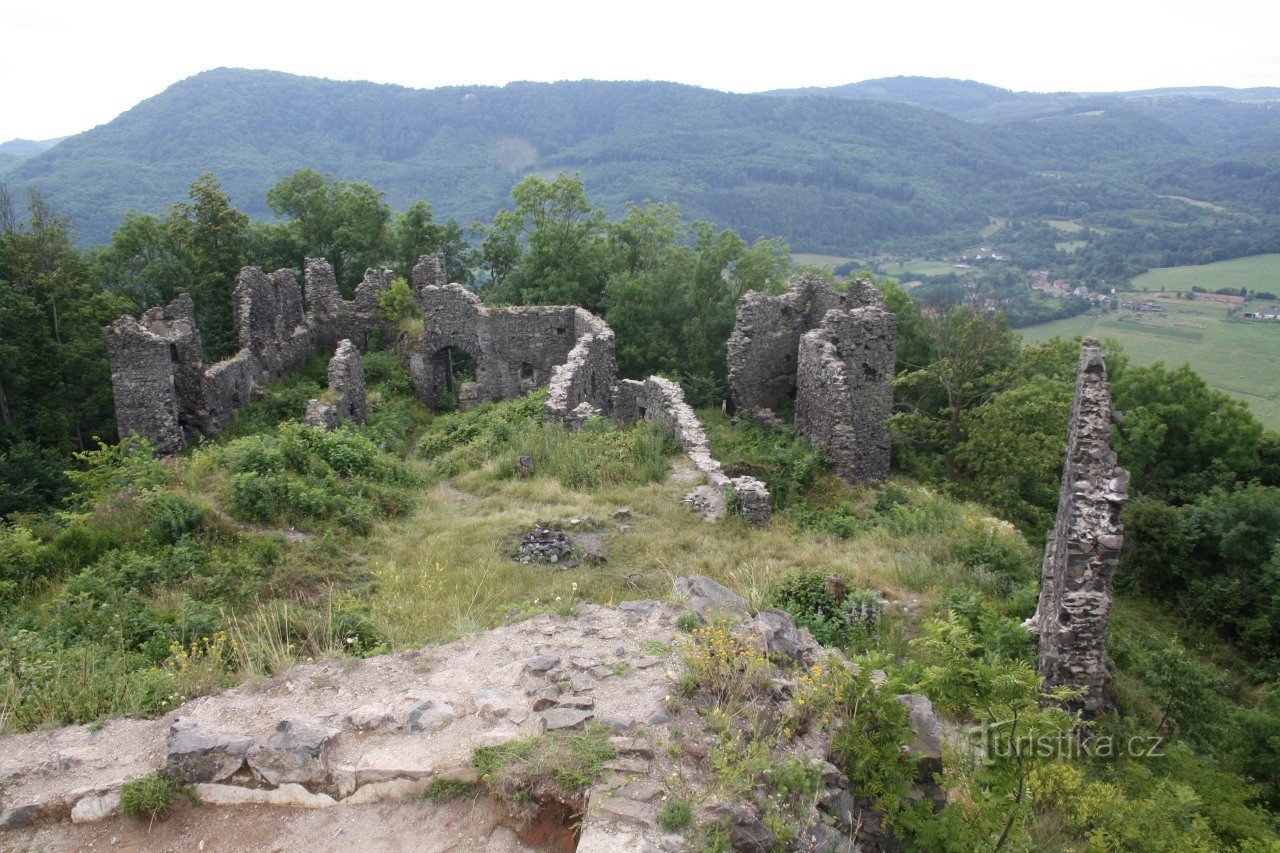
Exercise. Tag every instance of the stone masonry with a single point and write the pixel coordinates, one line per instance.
(345, 400)
(835, 353)
(165, 393)
(843, 394)
(514, 349)
(661, 401)
(1084, 546)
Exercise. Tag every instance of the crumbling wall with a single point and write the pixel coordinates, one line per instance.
(582, 386)
(765, 342)
(844, 394)
(142, 378)
(429, 271)
(661, 401)
(1084, 545)
(345, 399)
(164, 391)
(515, 350)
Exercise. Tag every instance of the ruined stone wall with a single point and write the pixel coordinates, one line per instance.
(764, 345)
(515, 350)
(345, 399)
(661, 401)
(844, 394)
(164, 391)
(583, 386)
(1084, 546)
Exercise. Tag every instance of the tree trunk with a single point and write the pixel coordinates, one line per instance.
(4, 408)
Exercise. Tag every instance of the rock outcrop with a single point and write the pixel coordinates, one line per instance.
(1084, 546)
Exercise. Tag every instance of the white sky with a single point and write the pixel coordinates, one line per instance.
(67, 66)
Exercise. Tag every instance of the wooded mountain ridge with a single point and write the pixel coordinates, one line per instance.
(837, 170)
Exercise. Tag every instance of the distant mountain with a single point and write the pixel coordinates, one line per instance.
(28, 147)
(875, 161)
(953, 97)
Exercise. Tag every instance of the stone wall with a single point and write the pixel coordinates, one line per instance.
(345, 399)
(844, 394)
(163, 390)
(585, 380)
(833, 353)
(661, 401)
(514, 349)
(765, 342)
(1083, 548)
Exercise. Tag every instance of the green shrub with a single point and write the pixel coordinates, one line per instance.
(1004, 557)
(149, 796)
(117, 471)
(786, 462)
(832, 622)
(303, 475)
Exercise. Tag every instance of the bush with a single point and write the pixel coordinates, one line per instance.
(553, 766)
(149, 796)
(304, 475)
(786, 462)
(832, 621)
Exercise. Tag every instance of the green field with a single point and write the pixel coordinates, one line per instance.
(828, 262)
(1256, 272)
(917, 268)
(1241, 357)
(1071, 245)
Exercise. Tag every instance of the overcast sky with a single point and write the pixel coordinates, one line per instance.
(70, 65)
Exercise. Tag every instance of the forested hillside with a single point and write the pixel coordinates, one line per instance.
(836, 174)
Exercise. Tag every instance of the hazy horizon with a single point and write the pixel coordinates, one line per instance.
(77, 65)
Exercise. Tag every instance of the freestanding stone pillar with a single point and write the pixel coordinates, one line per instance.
(1084, 546)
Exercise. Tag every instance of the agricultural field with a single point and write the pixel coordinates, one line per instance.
(1241, 357)
(1256, 272)
(910, 269)
(828, 262)
(1071, 245)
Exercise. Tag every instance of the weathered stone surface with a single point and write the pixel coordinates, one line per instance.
(368, 717)
(429, 716)
(96, 808)
(774, 632)
(390, 790)
(165, 393)
(554, 719)
(927, 742)
(542, 663)
(709, 599)
(286, 795)
(345, 399)
(297, 751)
(1084, 546)
(16, 817)
(747, 832)
(835, 352)
(197, 755)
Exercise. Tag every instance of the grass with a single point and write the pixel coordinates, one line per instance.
(1070, 246)
(1067, 225)
(828, 262)
(918, 268)
(1256, 272)
(1233, 355)
(149, 796)
(551, 766)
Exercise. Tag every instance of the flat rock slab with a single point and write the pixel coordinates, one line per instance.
(197, 755)
(555, 719)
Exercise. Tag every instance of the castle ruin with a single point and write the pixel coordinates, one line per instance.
(830, 352)
(1084, 545)
(165, 393)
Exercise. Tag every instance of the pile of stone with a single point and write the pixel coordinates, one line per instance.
(544, 545)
